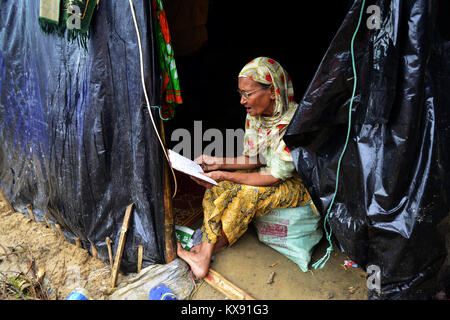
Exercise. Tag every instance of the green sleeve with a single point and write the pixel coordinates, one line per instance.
(278, 168)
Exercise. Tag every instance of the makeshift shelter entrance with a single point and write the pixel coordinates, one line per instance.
(76, 141)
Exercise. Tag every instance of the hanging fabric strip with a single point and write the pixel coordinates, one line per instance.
(57, 16)
(77, 16)
(50, 17)
(171, 93)
(49, 11)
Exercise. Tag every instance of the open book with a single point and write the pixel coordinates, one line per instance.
(188, 166)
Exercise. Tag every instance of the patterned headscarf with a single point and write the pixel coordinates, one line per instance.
(261, 131)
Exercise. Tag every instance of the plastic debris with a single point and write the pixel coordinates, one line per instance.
(184, 235)
(350, 263)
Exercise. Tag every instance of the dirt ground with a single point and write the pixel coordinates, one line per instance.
(250, 264)
(33, 253)
(36, 263)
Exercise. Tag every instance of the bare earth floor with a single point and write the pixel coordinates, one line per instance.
(28, 245)
(249, 264)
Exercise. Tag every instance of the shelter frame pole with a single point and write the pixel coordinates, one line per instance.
(169, 224)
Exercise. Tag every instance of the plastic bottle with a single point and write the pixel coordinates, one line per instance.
(79, 294)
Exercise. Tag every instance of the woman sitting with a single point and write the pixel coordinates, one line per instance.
(264, 178)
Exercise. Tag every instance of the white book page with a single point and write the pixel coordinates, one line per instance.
(188, 166)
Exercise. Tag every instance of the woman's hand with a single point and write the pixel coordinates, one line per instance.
(201, 182)
(217, 176)
(208, 163)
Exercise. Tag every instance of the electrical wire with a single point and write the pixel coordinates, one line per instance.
(146, 96)
(321, 263)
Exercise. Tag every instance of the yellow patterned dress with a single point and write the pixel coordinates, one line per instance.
(230, 207)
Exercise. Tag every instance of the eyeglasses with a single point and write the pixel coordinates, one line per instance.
(247, 94)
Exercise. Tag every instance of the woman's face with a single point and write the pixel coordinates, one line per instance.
(260, 102)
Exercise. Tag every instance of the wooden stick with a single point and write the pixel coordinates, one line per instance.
(9, 207)
(11, 253)
(169, 225)
(140, 255)
(108, 244)
(218, 282)
(121, 245)
(61, 234)
(94, 251)
(77, 242)
(47, 222)
(30, 212)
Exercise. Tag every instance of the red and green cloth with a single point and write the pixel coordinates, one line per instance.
(171, 94)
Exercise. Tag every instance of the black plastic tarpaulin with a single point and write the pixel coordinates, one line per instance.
(75, 140)
(394, 181)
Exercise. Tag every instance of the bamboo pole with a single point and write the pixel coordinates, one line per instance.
(169, 225)
(30, 212)
(121, 245)
(218, 282)
(108, 244)
(140, 255)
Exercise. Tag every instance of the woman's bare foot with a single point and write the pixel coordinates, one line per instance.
(198, 258)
